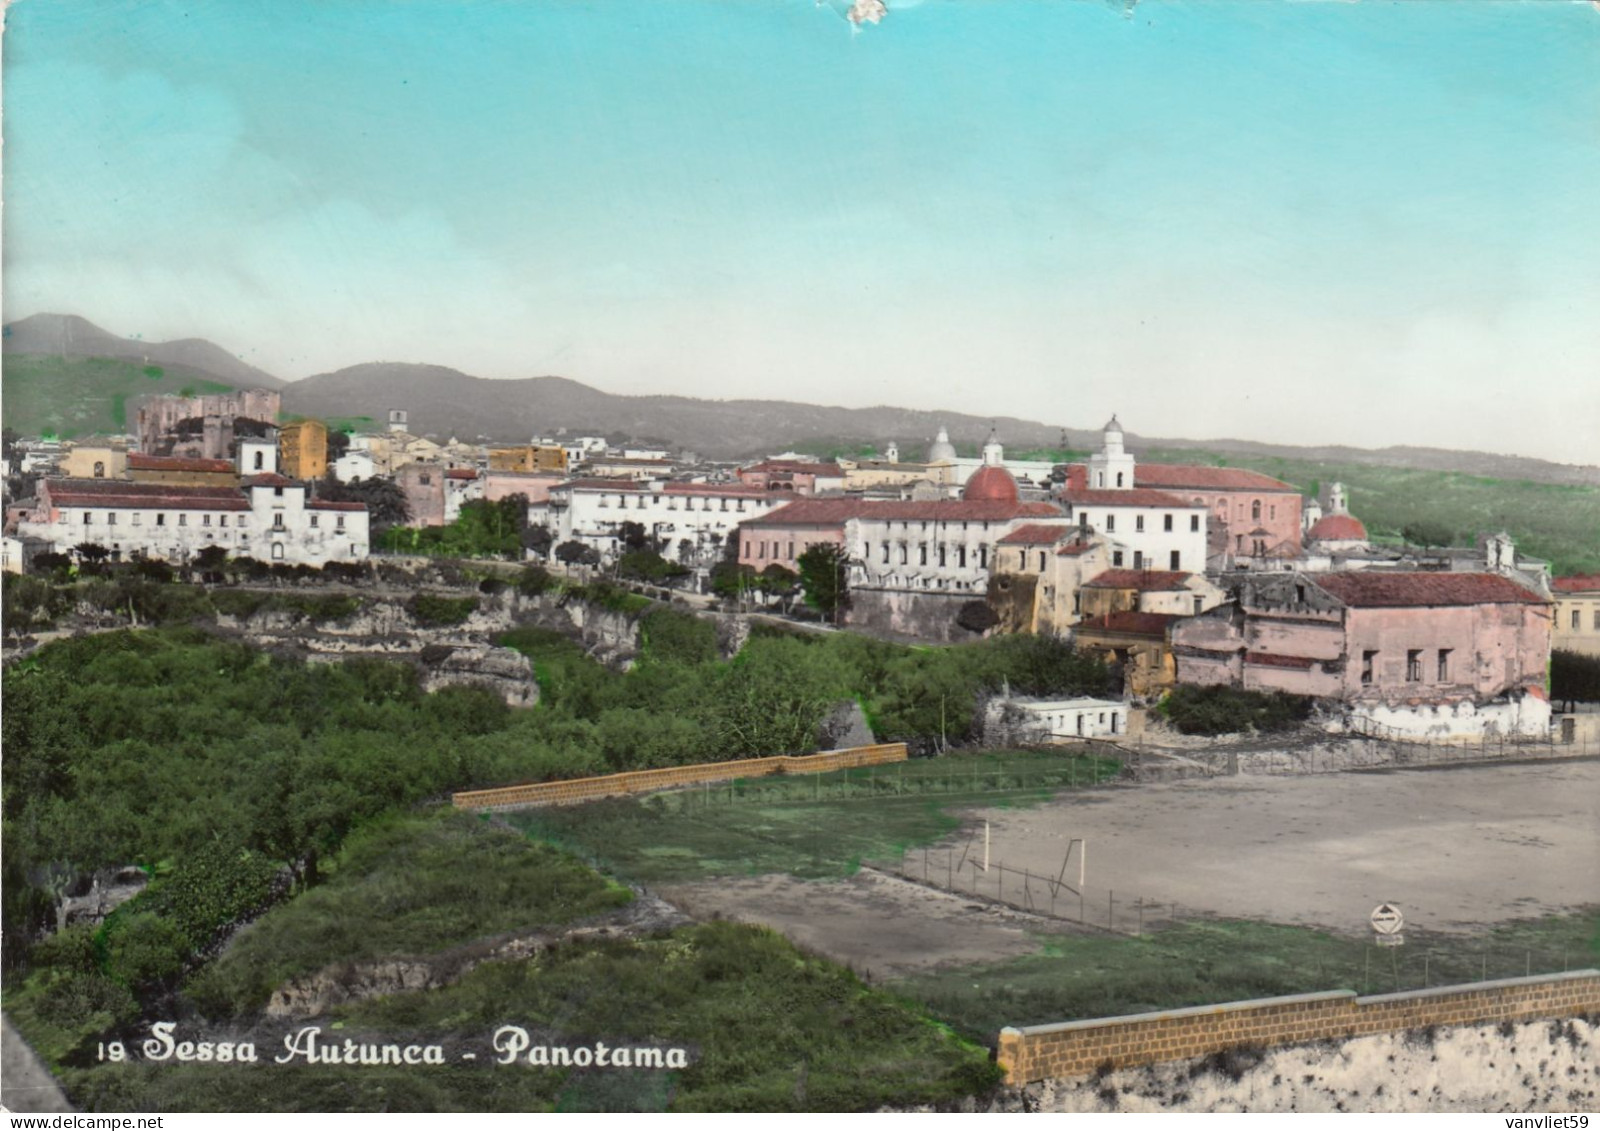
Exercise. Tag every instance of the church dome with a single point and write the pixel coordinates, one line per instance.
(991, 484)
(942, 450)
(1337, 528)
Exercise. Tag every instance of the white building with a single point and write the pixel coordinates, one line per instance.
(1031, 472)
(1065, 720)
(267, 517)
(944, 545)
(355, 464)
(1145, 528)
(592, 511)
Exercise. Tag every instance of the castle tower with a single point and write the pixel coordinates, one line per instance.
(397, 420)
(1111, 468)
(892, 452)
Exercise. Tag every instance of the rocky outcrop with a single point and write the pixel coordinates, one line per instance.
(346, 982)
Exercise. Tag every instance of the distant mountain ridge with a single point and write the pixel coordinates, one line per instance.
(445, 402)
(68, 335)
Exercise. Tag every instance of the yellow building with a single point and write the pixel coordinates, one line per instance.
(99, 461)
(303, 449)
(529, 457)
(1577, 624)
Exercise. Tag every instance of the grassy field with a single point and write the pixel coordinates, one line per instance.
(1210, 961)
(85, 396)
(815, 826)
(1558, 523)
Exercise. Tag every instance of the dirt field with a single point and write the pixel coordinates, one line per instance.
(879, 925)
(1456, 848)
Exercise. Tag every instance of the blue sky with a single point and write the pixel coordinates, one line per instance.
(1364, 223)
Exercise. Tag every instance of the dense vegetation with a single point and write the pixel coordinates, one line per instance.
(766, 1027)
(404, 885)
(483, 529)
(1229, 710)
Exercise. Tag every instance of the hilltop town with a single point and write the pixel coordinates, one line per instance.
(1176, 575)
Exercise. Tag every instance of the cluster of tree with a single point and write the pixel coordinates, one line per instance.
(1230, 710)
(483, 529)
(385, 501)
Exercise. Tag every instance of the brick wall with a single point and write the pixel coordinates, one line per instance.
(1077, 1048)
(674, 777)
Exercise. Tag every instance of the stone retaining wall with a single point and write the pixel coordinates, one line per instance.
(1077, 1048)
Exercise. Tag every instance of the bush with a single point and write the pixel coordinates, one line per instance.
(534, 580)
(440, 611)
(1229, 710)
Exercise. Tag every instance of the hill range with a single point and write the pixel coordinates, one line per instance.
(63, 374)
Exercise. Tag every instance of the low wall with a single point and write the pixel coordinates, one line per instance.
(673, 777)
(1077, 1048)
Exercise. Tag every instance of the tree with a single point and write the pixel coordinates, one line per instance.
(91, 552)
(538, 539)
(977, 616)
(1427, 534)
(825, 577)
(635, 537)
(574, 552)
(386, 502)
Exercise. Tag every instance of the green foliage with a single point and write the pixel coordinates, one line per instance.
(770, 1029)
(32, 604)
(1228, 710)
(534, 580)
(436, 611)
(648, 565)
(483, 529)
(670, 636)
(405, 885)
(574, 552)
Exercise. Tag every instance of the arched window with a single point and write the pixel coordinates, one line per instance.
(1119, 479)
(99, 469)
(1255, 510)
(260, 461)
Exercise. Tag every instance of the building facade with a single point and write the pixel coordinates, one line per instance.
(1577, 614)
(303, 449)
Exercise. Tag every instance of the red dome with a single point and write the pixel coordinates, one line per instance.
(1337, 528)
(991, 484)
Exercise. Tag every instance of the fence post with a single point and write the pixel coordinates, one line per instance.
(1111, 910)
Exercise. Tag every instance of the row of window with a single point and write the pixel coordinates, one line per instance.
(943, 555)
(672, 503)
(1138, 523)
(1414, 665)
(136, 518)
(1577, 620)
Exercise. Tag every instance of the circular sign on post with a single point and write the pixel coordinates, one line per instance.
(1387, 920)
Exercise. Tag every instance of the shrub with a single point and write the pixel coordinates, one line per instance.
(440, 611)
(534, 580)
(1229, 710)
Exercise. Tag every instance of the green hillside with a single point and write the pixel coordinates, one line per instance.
(78, 396)
(1550, 521)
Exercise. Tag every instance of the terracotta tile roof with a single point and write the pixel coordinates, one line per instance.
(271, 479)
(138, 461)
(796, 467)
(599, 483)
(1144, 580)
(1075, 549)
(1038, 534)
(330, 505)
(1337, 528)
(959, 510)
(461, 473)
(732, 490)
(1179, 476)
(1577, 583)
(1383, 589)
(1125, 497)
(811, 512)
(1276, 660)
(1129, 624)
(158, 496)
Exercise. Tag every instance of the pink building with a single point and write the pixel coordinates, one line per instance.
(801, 477)
(1376, 639)
(535, 485)
(783, 535)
